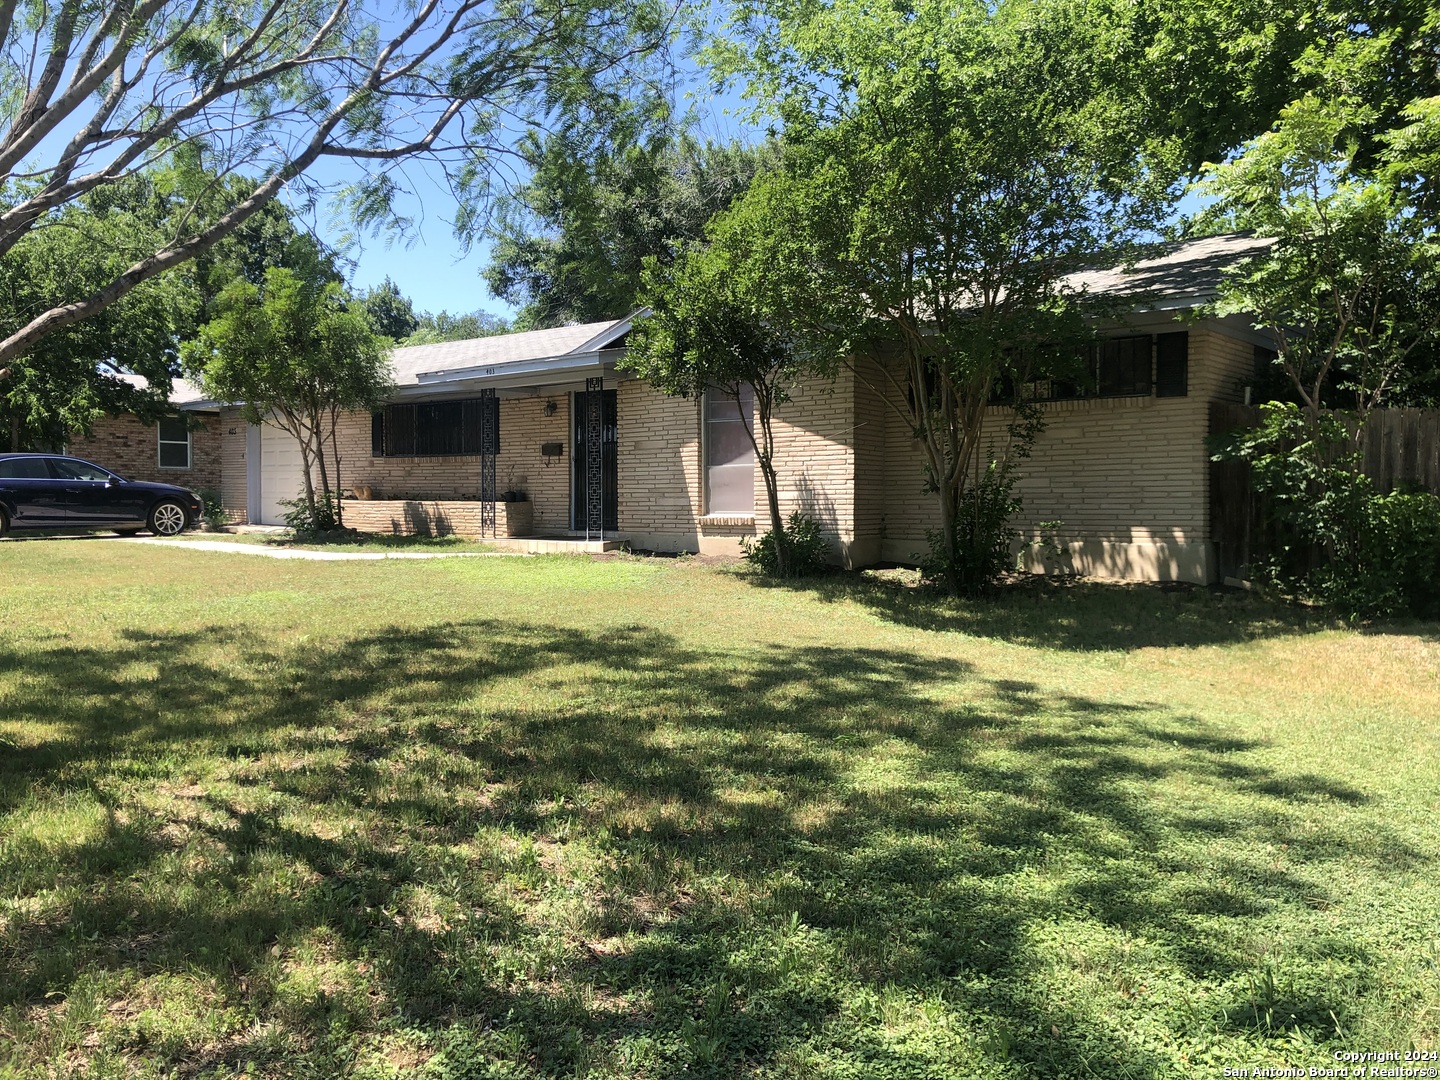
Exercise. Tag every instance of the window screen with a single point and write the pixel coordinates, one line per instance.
(729, 453)
(174, 440)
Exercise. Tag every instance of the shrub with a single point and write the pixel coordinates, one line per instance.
(1395, 565)
(1378, 554)
(325, 518)
(212, 508)
(809, 551)
(983, 535)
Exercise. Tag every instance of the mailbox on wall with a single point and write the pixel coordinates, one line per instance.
(551, 450)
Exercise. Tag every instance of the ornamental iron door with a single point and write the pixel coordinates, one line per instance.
(595, 476)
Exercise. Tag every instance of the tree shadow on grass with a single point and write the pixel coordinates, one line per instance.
(1074, 615)
(609, 851)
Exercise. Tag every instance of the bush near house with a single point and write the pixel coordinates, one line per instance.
(1339, 541)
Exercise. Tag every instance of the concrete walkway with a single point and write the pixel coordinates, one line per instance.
(271, 552)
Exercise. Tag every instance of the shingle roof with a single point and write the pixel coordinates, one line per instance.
(1188, 270)
(182, 392)
(491, 351)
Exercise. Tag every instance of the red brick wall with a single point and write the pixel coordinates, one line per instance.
(130, 448)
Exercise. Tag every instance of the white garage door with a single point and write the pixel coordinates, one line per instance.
(282, 476)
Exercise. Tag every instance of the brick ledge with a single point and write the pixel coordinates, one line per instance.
(727, 520)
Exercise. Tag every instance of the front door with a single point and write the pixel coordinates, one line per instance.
(609, 461)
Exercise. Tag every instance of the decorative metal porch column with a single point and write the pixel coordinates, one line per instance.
(595, 458)
(488, 408)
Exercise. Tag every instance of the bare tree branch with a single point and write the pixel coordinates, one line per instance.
(273, 86)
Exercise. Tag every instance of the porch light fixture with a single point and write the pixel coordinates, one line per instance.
(551, 408)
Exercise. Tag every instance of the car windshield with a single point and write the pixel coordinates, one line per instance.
(72, 469)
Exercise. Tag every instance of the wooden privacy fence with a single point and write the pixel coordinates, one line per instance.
(1400, 448)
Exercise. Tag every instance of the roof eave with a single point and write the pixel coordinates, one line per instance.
(618, 328)
(564, 368)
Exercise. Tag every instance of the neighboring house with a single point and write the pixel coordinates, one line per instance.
(189, 449)
(1125, 470)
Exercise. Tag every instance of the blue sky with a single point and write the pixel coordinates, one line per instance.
(432, 268)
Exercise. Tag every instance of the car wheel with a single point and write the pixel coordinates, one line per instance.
(167, 519)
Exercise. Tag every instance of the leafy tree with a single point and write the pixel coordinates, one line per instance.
(299, 352)
(446, 327)
(87, 368)
(1218, 73)
(96, 93)
(709, 332)
(69, 378)
(1350, 290)
(947, 168)
(390, 311)
(570, 245)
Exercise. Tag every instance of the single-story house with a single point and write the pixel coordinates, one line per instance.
(594, 450)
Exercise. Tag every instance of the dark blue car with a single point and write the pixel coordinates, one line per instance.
(48, 491)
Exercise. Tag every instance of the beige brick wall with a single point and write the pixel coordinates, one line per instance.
(234, 483)
(662, 478)
(523, 428)
(1227, 363)
(815, 458)
(660, 482)
(1129, 477)
(872, 416)
(436, 518)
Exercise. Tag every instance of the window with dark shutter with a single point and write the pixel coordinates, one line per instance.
(1172, 364)
(377, 433)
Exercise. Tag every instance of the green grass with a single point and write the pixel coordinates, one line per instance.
(645, 818)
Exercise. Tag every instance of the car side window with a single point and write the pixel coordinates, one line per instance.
(70, 469)
(24, 469)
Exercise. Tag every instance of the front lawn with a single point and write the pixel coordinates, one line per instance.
(341, 541)
(645, 818)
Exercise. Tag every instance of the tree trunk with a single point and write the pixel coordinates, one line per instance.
(949, 507)
(317, 432)
(777, 527)
(298, 431)
(335, 449)
(765, 457)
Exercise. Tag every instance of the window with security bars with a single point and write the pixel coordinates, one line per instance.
(435, 429)
(1134, 366)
